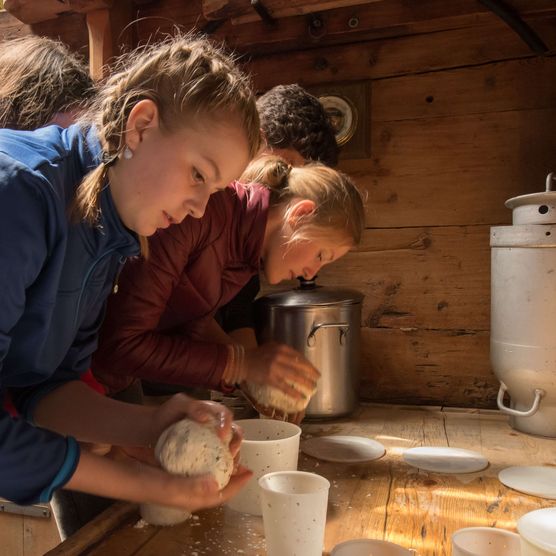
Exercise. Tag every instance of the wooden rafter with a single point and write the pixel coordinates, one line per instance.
(241, 11)
(35, 11)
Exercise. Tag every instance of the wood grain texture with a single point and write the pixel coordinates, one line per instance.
(35, 11)
(385, 499)
(375, 20)
(113, 517)
(427, 366)
(433, 278)
(241, 12)
(401, 55)
(27, 536)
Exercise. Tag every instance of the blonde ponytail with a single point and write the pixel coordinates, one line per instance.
(339, 209)
(271, 171)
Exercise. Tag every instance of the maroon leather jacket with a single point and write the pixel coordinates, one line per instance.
(193, 268)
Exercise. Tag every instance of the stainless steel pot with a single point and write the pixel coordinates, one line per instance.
(325, 325)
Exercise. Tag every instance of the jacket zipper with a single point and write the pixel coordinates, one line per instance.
(115, 287)
(85, 280)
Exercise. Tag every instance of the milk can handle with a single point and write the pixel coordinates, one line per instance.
(343, 326)
(549, 179)
(531, 411)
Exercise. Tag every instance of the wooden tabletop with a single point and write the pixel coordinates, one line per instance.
(383, 499)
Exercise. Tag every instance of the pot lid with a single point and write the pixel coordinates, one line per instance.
(308, 293)
(540, 198)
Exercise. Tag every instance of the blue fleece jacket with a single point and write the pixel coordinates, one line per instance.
(55, 276)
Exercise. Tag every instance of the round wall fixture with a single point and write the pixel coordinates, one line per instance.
(342, 115)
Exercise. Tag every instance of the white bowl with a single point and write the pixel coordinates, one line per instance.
(364, 547)
(485, 541)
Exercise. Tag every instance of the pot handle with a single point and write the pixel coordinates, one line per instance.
(343, 326)
(539, 393)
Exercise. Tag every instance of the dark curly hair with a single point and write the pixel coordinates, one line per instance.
(292, 118)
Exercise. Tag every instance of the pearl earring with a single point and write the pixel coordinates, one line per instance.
(128, 153)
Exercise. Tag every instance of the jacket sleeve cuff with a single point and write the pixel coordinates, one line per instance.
(66, 471)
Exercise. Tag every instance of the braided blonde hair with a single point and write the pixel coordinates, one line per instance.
(185, 76)
(339, 213)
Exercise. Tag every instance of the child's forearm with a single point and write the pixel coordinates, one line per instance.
(75, 409)
(132, 481)
(138, 482)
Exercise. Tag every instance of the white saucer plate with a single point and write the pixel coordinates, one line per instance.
(535, 480)
(343, 449)
(441, 459)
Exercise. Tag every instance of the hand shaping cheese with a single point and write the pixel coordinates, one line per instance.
(273, 397)
(188, 448)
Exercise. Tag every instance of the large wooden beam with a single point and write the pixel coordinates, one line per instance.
(35, 11)
(369, 21)
(378, 59)
(109, 34)
(241, 11)
(100, 42)
(389, 18)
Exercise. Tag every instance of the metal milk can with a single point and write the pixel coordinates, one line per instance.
(324, 324)
(523, 311)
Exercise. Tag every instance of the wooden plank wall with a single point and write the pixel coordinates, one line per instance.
(27, 536)
(461, 120)
(462, 115)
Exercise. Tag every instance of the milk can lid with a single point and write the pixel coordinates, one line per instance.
(541, 198)
(308, 294)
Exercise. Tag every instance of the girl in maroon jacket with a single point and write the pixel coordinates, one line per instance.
(160, 324)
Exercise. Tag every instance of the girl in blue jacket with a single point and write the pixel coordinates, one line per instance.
(176, 122)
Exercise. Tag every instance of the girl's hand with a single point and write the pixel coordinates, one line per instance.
(181, 406)
(271, 412)
(281, 366)
(197, 493)
(128, 477)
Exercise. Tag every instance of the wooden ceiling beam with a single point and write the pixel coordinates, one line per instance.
(241, 11)
(35, 11)
(385, 19)
(109, 34)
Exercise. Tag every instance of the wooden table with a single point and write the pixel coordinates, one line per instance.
(384, 499)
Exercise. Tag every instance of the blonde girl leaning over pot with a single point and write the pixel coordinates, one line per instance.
(285, 222)
(173, 124)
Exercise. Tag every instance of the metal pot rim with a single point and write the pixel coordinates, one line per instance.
(317, 297)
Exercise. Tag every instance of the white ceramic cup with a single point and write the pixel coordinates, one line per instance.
(267, 446)
(294, 507)
(364, 547)
(485, 541)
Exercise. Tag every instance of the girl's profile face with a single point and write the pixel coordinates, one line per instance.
(285, 259)
(171, 175)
